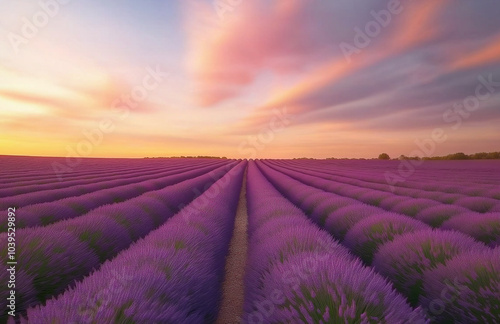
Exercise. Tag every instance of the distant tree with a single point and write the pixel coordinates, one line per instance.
(494, 155)
(404, 157)
(384, 156)
(457, 156)
(479, 156)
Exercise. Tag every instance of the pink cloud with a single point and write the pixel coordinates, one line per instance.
(406, 34)
(489, 53)
(256, 36)
(289, 37)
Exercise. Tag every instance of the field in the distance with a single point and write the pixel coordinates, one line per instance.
(235, 241)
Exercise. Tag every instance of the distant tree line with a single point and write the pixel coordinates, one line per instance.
(383, 156)
(189, 157)
(454, 156)
(462, 156)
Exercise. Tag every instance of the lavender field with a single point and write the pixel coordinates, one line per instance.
(199, 240)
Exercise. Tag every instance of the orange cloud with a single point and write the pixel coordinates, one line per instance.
(79, 97)
(418, 24)
(414, 27)
(485, 55)
(226, 55)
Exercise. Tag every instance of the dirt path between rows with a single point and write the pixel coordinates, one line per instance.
(233, 286)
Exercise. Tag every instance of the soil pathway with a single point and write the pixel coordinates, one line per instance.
(233, 286)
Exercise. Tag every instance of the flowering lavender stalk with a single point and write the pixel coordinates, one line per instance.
(88, 240)
(465, 290)
(478, 204)
(173, 275)
(407, 257)
(51, 260)
(369, 234)
(296, 273)
(436, 215)
(43, 214)
(482, 227)
(413, 206)
(334, 290)
(52, 192)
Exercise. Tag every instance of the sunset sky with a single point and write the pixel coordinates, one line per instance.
(223, 72)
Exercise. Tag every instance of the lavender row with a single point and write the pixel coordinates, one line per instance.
(42, 196)
(26, 178)
(129, 176)
(484, 227)
(47, 213)
(337, 213)
(423, 180)
(296, 273)
(25, 184)
(385, 199)
(54, 256)
(26, 168)
(19, 168)
(173, 275)
(404, 250)
(99, 174)
(423, 176)
(491, 195)
(454, 279)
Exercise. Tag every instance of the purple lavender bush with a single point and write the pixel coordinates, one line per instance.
(25, 291)
(407, 257)
(280, 222)
(343, 219)
(413, 206)
(482, 227)
(152, 207)
(51, 260)
(391, 201)
(465, 290)
(493, 193)
(311, 202)
(104, 235)
(478, 204)
(87, 240)
(332, 290)
(57, 191)
(447, 198)
(436, 215)
(173, 275)
(300, 275)
(369, 234)
(373, 197)
(286, 243)
(271, 213)
(328, 206)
